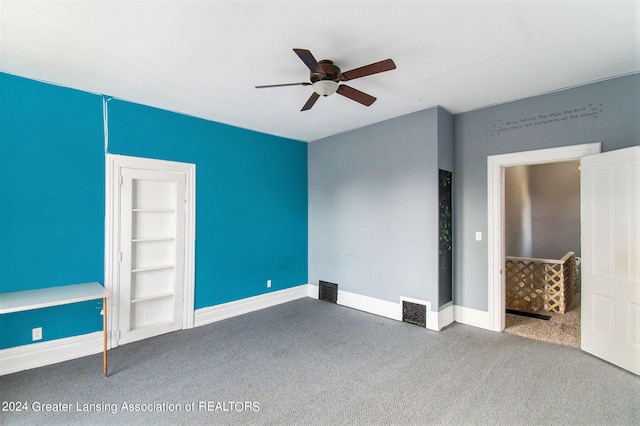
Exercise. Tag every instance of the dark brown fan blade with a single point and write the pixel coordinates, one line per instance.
(356, 95)
(382, 66)
(282, 85)
(312, 100)
(309, 60)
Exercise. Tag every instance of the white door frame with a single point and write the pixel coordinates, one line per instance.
(114, 163)
(495, 223)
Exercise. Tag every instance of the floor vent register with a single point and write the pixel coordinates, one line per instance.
(328, 292)
(414, 313)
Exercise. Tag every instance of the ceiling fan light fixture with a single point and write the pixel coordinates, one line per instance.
(325, 78)
(325, 87)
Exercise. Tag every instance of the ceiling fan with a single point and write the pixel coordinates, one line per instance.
(325, 77)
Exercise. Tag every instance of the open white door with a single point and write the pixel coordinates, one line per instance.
(610, 197)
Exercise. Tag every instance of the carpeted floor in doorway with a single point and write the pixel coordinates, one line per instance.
(563, 329)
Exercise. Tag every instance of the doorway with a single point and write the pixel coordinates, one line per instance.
(149, 246)
(542, 251)
(496, 217)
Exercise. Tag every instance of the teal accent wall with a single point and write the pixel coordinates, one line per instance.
(52, 192)
(251, 200)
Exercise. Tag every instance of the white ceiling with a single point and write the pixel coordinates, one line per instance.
(203, 58)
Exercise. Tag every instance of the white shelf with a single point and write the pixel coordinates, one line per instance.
(153, 268)
(144, 240)
(53, 296)
(154, 297)
(154, 210)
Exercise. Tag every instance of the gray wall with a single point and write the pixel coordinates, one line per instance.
(518, 240)
(373, 209)
(542, 210)
(607, 111)
(445, 140)
(555, 202)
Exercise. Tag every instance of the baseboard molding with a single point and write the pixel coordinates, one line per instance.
(313, 291)
(371, 305)
(367, 304)
(223, 311)
(472, 317)
(36, 355)
(435, 320)
(445, 317)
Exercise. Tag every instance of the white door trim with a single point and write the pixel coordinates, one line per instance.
(495, 214)
(112, 232)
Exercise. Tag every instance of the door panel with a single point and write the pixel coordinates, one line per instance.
(152, 253)
(610, 196)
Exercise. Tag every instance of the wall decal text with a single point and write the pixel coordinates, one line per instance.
(585, 112)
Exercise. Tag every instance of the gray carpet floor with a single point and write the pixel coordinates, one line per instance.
(309, 362)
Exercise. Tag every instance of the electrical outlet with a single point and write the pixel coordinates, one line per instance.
(36, 334)
(268, 283)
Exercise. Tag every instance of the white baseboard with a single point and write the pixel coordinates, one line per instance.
(445, 317)
(313, 291)
(36, 355)
(223, 311)
(471, 317)
(435, 320)
(359, 302)
(372, 305)
(367, 304)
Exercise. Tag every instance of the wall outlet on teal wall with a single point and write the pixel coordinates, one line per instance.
(36, 334)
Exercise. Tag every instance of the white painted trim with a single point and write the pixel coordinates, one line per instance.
(223, 311)
(435, 320)
(313, 291)
(112, 226)
(36, 355)
(367, 304)
(111, 266)
(445, 317)
(371, 305)
(495, 214)
(472, 317)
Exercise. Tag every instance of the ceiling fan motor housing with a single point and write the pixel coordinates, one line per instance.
(331, 72)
